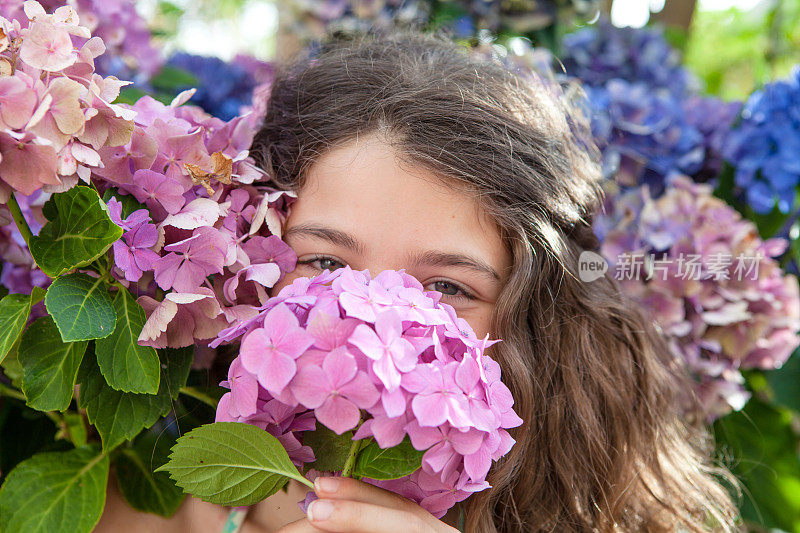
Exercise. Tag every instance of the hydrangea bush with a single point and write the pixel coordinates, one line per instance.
(124, 32)
(648, 118)
(148, 228)
(712, 285)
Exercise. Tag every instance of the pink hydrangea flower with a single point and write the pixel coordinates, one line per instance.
(336, 391)
(383, 358)
(133, 254)
(189, 261)
(270, 352)
(47, 47)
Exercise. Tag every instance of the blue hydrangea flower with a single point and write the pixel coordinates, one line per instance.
(644, 134)
(646, 116)
(603, 52)
(224, 87)
(764, 146)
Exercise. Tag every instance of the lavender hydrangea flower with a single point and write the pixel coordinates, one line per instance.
(712, 286)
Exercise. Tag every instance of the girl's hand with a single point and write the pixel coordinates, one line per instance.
(348, 505)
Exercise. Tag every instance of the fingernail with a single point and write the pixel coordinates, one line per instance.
(326, 484)
(319, 510)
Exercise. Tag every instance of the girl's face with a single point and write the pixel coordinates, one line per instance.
(358, 207)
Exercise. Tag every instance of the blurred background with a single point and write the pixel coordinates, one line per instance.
(695, 105)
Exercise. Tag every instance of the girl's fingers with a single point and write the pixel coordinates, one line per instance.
(342, 488)
(358, 517)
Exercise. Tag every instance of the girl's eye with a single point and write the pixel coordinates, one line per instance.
(450, 289)
(323, 262)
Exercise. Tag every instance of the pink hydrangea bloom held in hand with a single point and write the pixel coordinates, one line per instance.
(381, 357)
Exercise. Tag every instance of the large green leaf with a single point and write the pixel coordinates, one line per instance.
(14, 312)
(81, 307)
(329, 448)
(49, 366)
(120, 416)
(127, 366)
(390, 463)
(145, 490)
(78, 231)
(762, 447)
(230, 463)
(55, 492)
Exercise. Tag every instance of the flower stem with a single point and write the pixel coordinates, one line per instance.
(199, 395)
(352, 455)
(19, 219)
(11, 393)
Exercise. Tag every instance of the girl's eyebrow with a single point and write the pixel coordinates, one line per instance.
(334, 236)
(445, 259)
(427, 258)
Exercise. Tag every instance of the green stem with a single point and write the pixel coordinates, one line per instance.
(57, 420)
(19, 219)
(11, 393)
(199, 395)
(352, 455)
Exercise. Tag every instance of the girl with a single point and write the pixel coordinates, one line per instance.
(407, 152)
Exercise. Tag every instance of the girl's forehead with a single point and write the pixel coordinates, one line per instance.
(364, 188)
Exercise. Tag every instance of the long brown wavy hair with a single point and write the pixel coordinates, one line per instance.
(604, 446)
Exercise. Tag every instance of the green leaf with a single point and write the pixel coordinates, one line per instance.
(49, 366)
(390, 463)
(127, 366)
(78, 231)
(11, 367)
(329, 448)
(175, 366)
(81, 307)
(230, 463)
(55, 492)
(14, 312)
(128, 201)
(785, 382)
(120, 416)
(761, 445)
(129, 95)
(171, 79)
(74, 429)
(143, 489)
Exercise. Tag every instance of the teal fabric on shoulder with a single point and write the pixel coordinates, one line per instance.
(235, 520)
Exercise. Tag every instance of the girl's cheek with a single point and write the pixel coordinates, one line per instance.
(284, 281)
